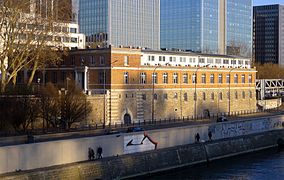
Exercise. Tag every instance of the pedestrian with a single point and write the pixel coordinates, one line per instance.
(99, 152)
(197, 137)
(91, 154)
(210, 135)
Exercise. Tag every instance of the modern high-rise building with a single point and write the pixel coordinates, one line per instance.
(208, 26)
(121, 22)
(269, 34)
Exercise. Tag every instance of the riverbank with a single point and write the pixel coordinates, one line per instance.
(144, 163)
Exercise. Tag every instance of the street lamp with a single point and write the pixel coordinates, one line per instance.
(153, 92)
(195, 95)
(229, 111)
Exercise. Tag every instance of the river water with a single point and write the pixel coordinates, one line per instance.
(264, 165)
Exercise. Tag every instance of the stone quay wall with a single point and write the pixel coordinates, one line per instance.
(144, 163)
(61, 152)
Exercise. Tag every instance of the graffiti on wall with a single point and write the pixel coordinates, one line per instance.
(139, 143)
(224, 130)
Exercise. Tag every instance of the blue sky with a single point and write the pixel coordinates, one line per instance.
(263, 2)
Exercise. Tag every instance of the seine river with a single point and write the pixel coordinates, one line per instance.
(263, 165)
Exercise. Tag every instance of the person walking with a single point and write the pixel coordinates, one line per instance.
(99, 152)
(210, 135)
(197, 137)
(91, 154)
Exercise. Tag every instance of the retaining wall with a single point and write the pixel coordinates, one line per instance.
(46, 154)
(154, 161)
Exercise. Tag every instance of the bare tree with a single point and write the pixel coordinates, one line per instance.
(269, 71)
(75, 105)
(239, 49)
(50, 105)
(28, 39)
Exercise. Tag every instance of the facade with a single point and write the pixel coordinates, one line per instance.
(268, 34)
(126, 23)
(208, 26)
(140, 84)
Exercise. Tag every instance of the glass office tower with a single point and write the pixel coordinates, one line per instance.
(208, 26)
(269, 34)
(121, 22)
(239, 27)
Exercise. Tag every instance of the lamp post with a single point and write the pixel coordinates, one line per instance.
(195, 94)
(153, 93)
(229, 111)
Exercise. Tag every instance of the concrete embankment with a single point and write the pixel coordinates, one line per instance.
(154, 161)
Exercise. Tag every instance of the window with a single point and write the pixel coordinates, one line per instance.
(165, 78)
(228, 78)
(102, 60)
(250, 94)
(185, 78)
(151, 58)
(143, 78)
(244, 94)
(225, 61)
(172, 59)
(218, 61)
(175, 96)
(212, 78)
(204, 96)
(73, 60)
(220, 78)
(201, 60)
(212, 96)
(243, 78)
(92, 60)
(236, 95)
(73, 30)
(162, 58)
(234, 62)
(165, 96)
(250, 78)
(144, 97)
(175, 78)
(210, 60)
(240, 62)
(155, 96)
(82, 59)
(126, 60)
(74, 40)
(194, 79)
(236, 79)
(101, 77)
(126, 78)
(203, 79)
(220, 96)
(154, 78)
(185, 97)
(182, 59)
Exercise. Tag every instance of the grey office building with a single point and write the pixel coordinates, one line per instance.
(269, 34)
(121, 22)
(208, 26)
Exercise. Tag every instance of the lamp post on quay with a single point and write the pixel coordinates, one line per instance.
(195, 94)
(154, 78)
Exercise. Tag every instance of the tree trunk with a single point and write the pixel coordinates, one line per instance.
(33, 73)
